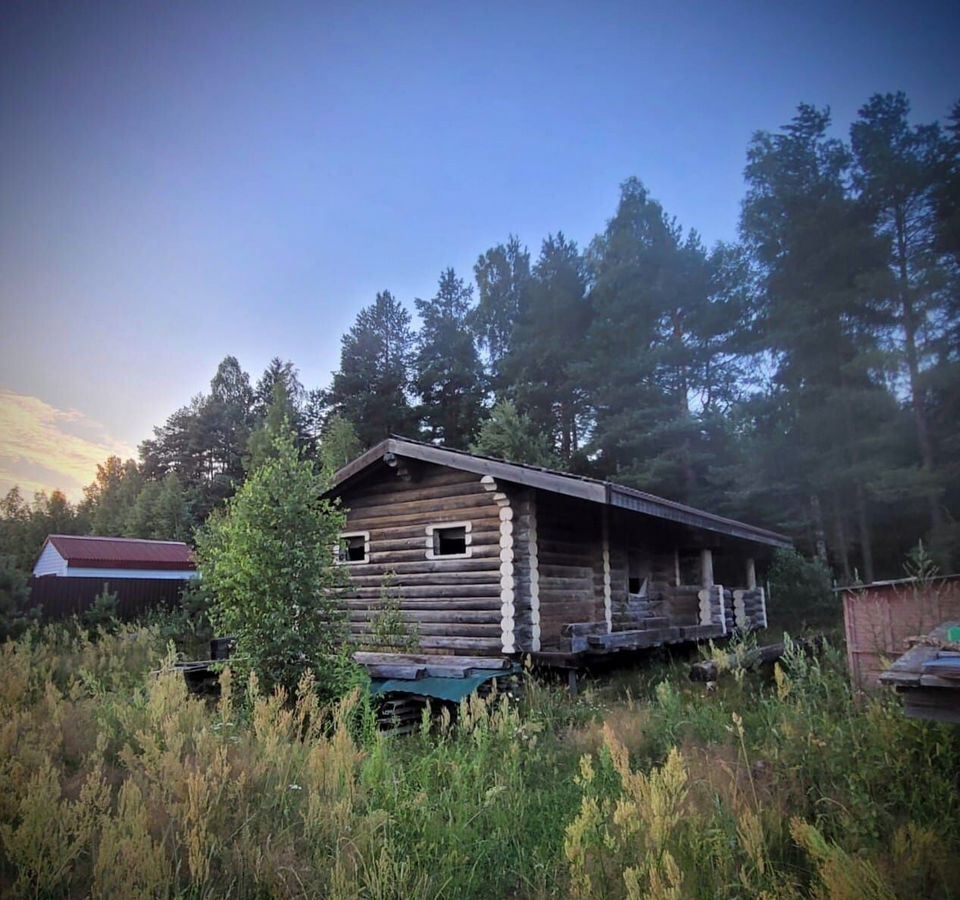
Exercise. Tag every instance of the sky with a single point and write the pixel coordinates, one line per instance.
(182, 180)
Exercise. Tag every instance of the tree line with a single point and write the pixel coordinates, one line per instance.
(805, 377)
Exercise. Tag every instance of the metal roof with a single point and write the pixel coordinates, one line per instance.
(121, 553)
(579, 486)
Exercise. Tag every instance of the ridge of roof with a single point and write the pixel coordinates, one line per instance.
(101, 537)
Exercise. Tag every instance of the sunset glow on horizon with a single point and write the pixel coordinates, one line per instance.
(43, 448)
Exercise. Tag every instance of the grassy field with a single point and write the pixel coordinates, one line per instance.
(117, 783)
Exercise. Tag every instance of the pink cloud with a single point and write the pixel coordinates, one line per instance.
(43, 447)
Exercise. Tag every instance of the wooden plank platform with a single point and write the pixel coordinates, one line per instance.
(411, 666)
(927, 695)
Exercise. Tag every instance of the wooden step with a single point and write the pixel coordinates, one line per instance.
(634, 639)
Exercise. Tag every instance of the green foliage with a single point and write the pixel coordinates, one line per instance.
(277, 422)
(545, 362)
(448, 374)
(267, 561)
(503, 284)
(114, 778)
(389, 630)
(507, 434)
(801, 593)
(339, 444)
(372, 386)
(204, 442)
(15, 611)
(101, 615)
(24, 526)
(188, 624)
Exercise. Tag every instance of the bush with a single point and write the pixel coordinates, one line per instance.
(389, 630)
(15, 611)
(268, 563)
(801, 593)
(102, 613)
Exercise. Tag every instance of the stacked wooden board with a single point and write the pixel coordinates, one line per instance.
(928, 676)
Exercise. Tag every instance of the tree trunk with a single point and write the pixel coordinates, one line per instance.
(866, 545)
(908, 315)
(841, 551)
(819, 535)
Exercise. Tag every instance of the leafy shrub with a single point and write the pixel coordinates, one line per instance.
(102, 613)
(15, 611)
(801, 593)
(268, 563)
(389, 630)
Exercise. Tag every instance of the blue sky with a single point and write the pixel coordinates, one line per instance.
(182, 180)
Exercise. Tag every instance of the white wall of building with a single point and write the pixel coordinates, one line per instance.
(50, 562)
(78, 572)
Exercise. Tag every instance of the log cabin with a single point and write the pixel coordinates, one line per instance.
(493, 560)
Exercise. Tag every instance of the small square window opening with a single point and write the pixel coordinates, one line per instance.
(450, 541)
(353, 548)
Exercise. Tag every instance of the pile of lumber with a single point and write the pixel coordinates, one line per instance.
(401, 714)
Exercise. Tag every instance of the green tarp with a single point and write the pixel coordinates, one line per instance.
(453, 689)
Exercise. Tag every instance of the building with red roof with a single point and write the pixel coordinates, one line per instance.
(109, 557)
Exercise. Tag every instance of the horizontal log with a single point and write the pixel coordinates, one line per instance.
(439, 629)
(400, 672)
(438, 516)
(425, 566)
(548, 570)
(463, 643)
(447, 577)
(403, 505)
(490, 616)
(710, 670)
(436, 484)
(424, 591)
(477, 551)
(478, 603)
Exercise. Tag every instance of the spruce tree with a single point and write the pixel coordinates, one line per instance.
(372, 386)
(448, 374)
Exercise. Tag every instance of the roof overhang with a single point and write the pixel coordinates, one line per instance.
(590, 489)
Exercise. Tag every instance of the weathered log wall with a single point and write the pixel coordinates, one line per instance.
(571, 570)
(455, 602)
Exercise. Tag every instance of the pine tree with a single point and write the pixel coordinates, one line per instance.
(110, 498)
(544, 362)
(818, 260)
(372, 386)
(503, 281)
(448, 374)
(205, 441)
(654, 347)
(897, 173)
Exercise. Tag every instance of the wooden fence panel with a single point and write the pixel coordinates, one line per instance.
(879, 618)
(63, 596)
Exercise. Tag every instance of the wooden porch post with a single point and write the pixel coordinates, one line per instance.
(751, 574)
(706, 568)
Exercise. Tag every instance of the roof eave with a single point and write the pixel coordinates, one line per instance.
(603, 492)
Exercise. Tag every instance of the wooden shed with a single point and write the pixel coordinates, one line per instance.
(879, 618)
(491, 558)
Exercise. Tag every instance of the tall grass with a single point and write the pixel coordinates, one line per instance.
(115, 782)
